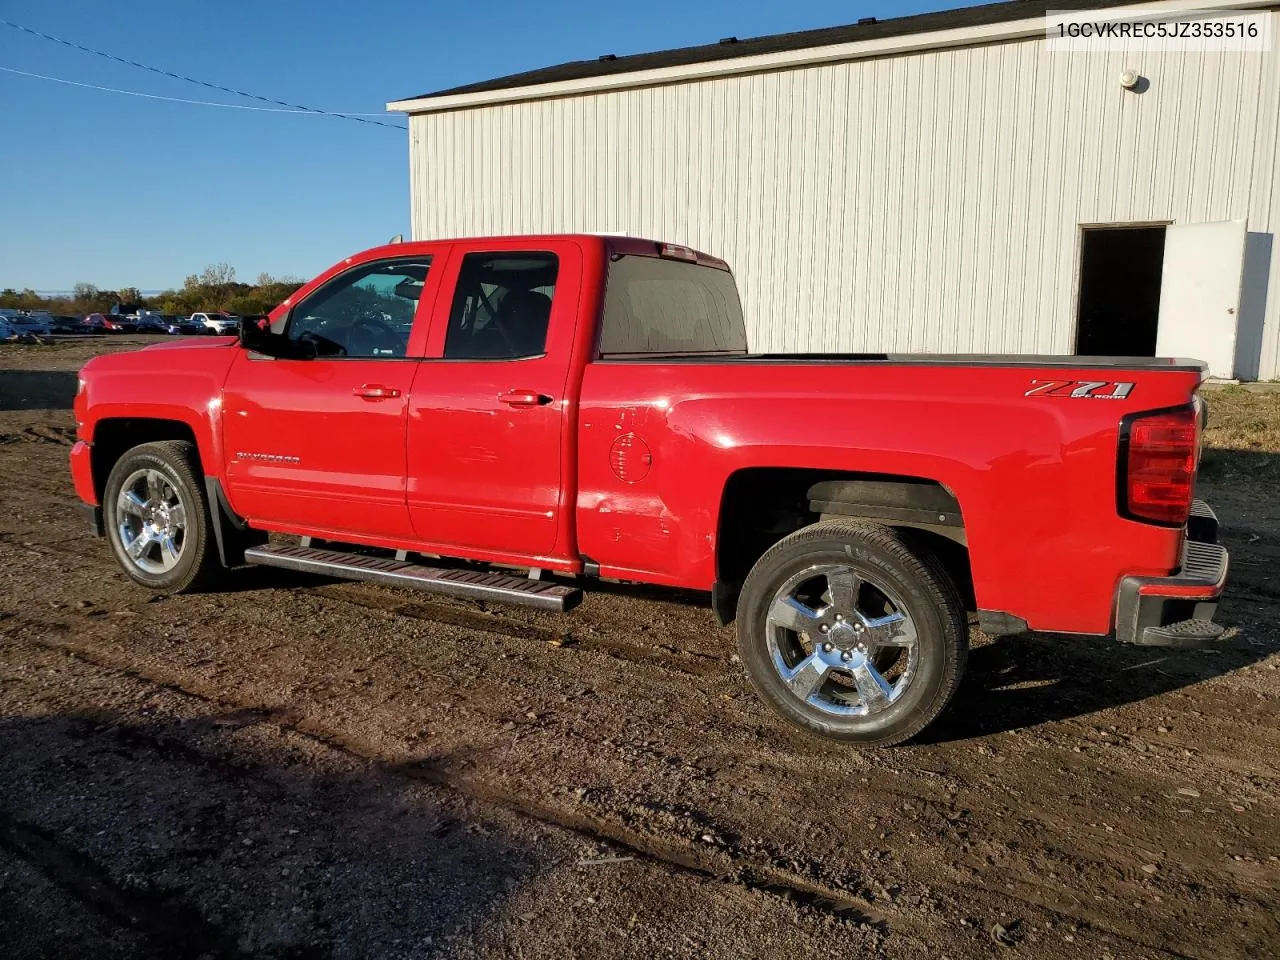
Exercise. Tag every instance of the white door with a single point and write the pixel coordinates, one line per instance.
(1200, 293)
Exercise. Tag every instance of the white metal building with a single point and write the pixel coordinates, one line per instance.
(936, 183)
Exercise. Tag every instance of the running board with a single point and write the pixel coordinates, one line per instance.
(471, 584)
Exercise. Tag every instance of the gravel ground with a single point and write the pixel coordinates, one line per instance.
(294, 767)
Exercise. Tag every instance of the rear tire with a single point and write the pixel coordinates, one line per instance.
(850, 635)
(157, 518)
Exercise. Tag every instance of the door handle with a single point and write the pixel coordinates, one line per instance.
(525, 398)
(375, 391)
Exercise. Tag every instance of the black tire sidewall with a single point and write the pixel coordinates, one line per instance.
(903, 718)
(150, 457)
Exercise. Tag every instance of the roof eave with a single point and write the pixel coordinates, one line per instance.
(706, 70)
(1022, 29)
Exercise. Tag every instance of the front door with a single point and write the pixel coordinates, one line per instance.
(486, 417)
(316, 440)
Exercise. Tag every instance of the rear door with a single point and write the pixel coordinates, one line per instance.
(317, 442)
(488, 411)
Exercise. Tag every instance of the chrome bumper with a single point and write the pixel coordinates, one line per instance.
(1178, 611)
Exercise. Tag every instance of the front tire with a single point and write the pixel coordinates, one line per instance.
(157, 518)
(850, 635)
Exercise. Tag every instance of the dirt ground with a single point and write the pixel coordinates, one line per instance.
(297, 768)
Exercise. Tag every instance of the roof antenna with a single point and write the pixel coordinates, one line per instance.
(398, 238)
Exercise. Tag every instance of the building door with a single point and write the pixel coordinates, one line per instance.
(1121, 276)
(1200, 303)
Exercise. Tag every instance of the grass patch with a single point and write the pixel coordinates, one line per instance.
(1243, 439)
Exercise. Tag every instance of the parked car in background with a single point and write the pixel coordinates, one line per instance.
(5, 330)
(168, 324)
(153, 323)
(35, 325)
(223, 324)
(121, 323)
(97, 323)
(65, 324)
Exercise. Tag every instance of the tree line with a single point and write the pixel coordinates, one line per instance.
(215, 289)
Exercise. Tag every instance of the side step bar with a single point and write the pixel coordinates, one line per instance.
(471, 584)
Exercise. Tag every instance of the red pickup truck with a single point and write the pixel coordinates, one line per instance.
(545, 410)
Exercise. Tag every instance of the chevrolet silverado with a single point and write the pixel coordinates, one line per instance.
(545, 410)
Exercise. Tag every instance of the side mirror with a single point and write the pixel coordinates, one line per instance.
(252, 336)
(259, 339)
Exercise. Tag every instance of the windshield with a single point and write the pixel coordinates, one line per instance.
(659, 306)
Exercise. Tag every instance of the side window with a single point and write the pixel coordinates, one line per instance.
(502, 306)
(366, 312)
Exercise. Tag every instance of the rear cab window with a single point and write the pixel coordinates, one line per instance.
(656, 306)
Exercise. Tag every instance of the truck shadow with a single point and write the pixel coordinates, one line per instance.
(37, 389)
(1016, 682)
(213, 836)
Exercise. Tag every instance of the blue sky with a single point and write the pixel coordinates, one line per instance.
(122, 191)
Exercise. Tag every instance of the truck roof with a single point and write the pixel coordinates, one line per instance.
(617, 243)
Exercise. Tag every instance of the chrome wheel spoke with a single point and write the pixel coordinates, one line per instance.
(138, 547)
(169, 551)
(131, 503)
(873, 688)
(807, 676)
(790, 614)
(178, 515)
(893, 630)
(154, 484)
(843, 585)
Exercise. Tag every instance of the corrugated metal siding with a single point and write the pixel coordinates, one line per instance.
(925, 202)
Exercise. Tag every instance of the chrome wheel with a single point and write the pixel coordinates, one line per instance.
(841, 642)
(151, 521)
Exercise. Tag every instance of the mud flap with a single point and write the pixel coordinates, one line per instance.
(232, 534)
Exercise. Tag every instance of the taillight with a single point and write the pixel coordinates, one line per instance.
(1158, 456)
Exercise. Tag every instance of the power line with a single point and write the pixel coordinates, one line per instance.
(202, 103)
(360, 118)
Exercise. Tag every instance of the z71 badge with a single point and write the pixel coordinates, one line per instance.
(1080, 389)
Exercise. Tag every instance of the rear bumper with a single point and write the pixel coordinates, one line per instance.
(1178, 611)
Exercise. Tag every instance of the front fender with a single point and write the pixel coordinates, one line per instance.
(174, 385)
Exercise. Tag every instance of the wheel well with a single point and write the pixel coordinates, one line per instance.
(761, 505)
(113, 437)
